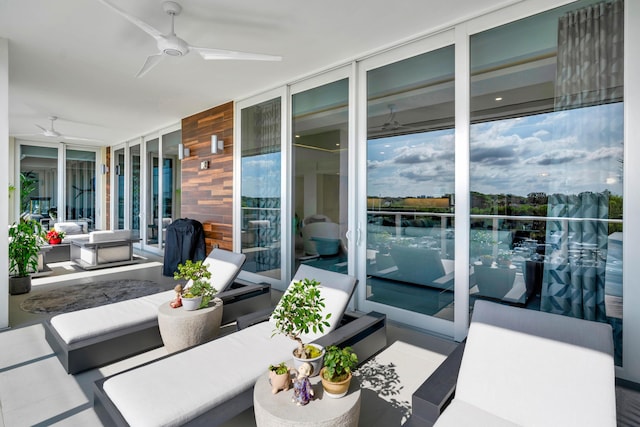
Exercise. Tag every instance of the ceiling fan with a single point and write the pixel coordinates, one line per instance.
(391, 123)
(52, 133)
(172, 45)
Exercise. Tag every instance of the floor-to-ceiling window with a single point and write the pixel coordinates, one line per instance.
(80, 181)
(118, 168)
(261, 209)
(38, 191)
(410, 184)
(135, 193)
(546, 167)
(320, 155)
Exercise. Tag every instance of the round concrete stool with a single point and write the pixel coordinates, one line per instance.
(180, 328)
(277, 410)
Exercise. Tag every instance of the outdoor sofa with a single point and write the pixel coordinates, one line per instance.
(97, 336)
(226, 369)
(521, 367)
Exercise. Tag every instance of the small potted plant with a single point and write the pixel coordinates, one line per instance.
(336, 373)
(198, 291)
(25, 241)
(503, 259)
(55, 237)
(298, 312)
(279, 377)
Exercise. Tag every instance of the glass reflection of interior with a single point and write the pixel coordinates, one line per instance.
(546, 166)
(410, 184)
(320, 160)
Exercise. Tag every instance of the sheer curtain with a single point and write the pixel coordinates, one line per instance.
(589, 74)
(590, 69)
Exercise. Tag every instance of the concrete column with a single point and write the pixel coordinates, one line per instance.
(4, 181)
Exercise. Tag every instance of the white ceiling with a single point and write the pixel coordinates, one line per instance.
(77, 59)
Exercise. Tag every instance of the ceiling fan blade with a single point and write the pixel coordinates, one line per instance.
(151, 62)
(137, 22)
(231, 54)
(43, 129)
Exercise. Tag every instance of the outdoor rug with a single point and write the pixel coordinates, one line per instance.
(77, 297)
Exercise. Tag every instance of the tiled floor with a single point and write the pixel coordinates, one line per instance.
(36, 391)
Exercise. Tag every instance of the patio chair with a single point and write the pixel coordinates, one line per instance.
(97, 336)
(222, 372)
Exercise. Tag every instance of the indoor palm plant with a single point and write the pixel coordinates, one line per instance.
(336, 372)
(298, 312)
(25, 241)
(199, 291)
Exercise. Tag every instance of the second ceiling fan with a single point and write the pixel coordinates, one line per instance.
(172, 45)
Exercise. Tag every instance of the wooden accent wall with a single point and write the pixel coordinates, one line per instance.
(207, 195)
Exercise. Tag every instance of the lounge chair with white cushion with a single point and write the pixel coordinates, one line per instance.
(226, 369)
(97, 336)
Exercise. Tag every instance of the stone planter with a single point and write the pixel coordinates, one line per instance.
(19, 285)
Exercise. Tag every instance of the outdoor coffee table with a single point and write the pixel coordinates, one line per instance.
(181, 329)
(277, 410)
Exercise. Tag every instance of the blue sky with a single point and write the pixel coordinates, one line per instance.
(565, 152)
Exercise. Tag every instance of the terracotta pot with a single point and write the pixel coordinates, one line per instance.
(55, 241)
(335, 390)
(279, 381)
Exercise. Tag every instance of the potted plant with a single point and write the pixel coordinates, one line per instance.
(199, 292)
(503, 259)
(25, 241)
(298, 312)
(55, 237)
(279, 377)
(336, 372)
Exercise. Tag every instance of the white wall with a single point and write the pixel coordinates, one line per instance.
(4, 180)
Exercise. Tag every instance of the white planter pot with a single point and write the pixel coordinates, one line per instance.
(316, 363)
(190, 304)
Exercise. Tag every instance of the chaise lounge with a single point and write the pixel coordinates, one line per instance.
(522, 367)
(227, 368)
(94, 337)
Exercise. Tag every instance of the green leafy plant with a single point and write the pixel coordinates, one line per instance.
(25, 241)
(199, 275)
(279, 369)
(338, 363)
(300, 311)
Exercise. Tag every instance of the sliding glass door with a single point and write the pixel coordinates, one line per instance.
(320, 161)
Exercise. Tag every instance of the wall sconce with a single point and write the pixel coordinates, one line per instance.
(217, 147)
(183, 152)
(104, 169)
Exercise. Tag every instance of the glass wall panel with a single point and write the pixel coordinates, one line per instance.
(39, 184)
(410, 184)
(81, 186)
(170, 185)
(118, 162)
(546, 163)
(153, 187)
(260, 188)
(135, 177)
(320, 155)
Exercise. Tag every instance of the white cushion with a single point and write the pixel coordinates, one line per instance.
(460, 413)
(69, 227)
(161, 394)
(109, 235)
(82, 324)
(335, 288)
(224, 267)
(535, 368)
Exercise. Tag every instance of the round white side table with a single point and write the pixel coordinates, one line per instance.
(181, 329)
(277, 410)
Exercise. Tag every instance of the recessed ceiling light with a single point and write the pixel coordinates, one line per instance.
(297, 136)
(498, 98)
